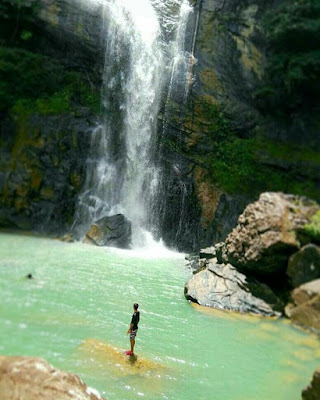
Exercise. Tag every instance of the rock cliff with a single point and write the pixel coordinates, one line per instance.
(217, 151)
(228, 142)
(50, 104)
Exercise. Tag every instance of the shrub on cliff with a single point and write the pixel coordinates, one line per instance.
(313, 228)
(292, 81)
(31, 82)
(16, 20)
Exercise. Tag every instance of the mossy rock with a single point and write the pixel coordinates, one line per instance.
(313, 228)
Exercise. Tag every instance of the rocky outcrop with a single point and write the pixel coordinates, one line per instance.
(221, 131)
(114, 231)
(312, 392)
(304, 266)
(30, 378)
(44, 142)
(73, 33)
(268, 233)
(305, 310)
(221, 286)
(249, 267)
(42, 169)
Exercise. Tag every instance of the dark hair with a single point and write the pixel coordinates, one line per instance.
(135, 306)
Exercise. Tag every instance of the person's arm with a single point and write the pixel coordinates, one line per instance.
(130, 328)
(131, 325)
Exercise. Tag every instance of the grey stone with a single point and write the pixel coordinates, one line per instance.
(193, 261)
(221, 286)
(208, 252)
(113, 231)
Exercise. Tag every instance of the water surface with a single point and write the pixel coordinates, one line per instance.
(76, 312)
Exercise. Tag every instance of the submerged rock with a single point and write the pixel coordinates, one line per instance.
(304, 266)
(114, 231)
(306, 308)
(31, 378)
(222, 286)
(68, 238)
(312, 392)
(268, 233)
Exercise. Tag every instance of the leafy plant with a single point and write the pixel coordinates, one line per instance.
(313, 229)
(292, 81)
(16, 20)
(31, 82)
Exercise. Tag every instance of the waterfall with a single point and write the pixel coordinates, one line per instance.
(144, 59)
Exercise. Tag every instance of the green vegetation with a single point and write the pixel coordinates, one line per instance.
(313, 229)
(218, 124)
(253, 165)
(31, 82)
(292, 81)
(236, 167)
(16, 21)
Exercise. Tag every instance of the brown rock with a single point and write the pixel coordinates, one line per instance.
(304, 266)
(312, 392)
(306, 292)
(268, 233)
(307, 301)
(30, 378)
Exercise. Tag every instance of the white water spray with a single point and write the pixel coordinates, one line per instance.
(144, 49)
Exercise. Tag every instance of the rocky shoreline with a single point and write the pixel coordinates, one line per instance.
(269, 258)
(268, 265)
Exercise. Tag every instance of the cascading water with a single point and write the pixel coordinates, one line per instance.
(144, 56)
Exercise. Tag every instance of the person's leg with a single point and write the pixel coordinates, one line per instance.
(132, 342)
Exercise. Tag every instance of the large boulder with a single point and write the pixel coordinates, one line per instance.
(222, 286)
(306, 308)
(268, 233)
(114, 231)
(304, 266)
(30, 378)
(312, 392)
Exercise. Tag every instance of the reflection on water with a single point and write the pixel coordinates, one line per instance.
(77, 310)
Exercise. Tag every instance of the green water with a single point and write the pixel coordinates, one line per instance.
(77, 310)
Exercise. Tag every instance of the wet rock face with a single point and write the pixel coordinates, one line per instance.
(306, 308)
(42, 170)
(230, 54)
(268, 233)
(114, 231)
(222, 286)
(304, 266)
(312, 392)
(33, 378)
(73, 33)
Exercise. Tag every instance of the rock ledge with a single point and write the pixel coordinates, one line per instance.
(31, 378)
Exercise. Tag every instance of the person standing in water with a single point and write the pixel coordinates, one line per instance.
(133, 329)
